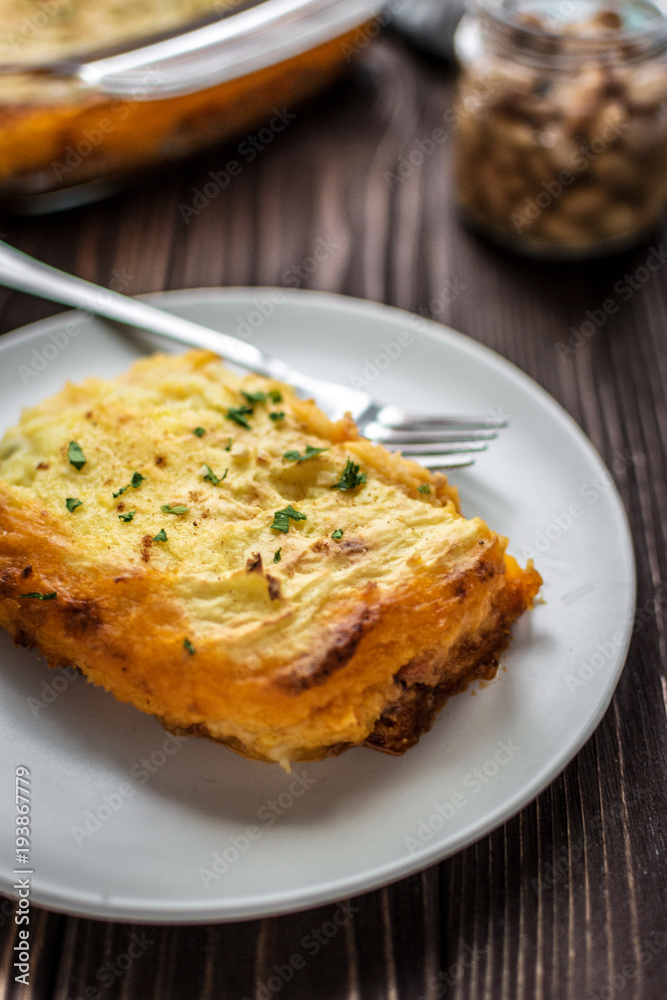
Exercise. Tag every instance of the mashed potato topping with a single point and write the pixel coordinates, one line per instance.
(228, 559)
(34, 30)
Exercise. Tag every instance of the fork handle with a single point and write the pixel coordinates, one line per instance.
(24, 273)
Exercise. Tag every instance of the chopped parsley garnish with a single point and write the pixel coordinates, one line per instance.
(281, 518)
(75, 455)
(276, 555)
(41, 597)
(350, 478)
(261, 397)
(228, 446)
(310, 452)
(72, 503)
(137, 480)
(424, 488)
(238, 414)
(338, 533)
(212, 478)
(174, 508)
(160, 537)
(188, 645)
(277, 416)
(128, 516)
(199, 431)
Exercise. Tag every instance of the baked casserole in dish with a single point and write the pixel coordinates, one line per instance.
(93, 92)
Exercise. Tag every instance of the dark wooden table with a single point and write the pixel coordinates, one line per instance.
(568, 901)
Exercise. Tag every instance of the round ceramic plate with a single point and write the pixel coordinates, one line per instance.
(128, 823)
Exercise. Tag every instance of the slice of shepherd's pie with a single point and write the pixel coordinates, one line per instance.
(218, 553)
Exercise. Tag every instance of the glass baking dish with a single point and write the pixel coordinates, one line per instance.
(78, 125)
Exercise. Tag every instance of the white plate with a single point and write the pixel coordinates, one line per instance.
(345, 825)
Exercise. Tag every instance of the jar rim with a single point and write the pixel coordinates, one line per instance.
(507, 16)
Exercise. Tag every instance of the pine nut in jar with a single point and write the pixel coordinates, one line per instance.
(561, 113)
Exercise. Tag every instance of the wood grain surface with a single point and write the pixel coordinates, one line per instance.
(567, 901)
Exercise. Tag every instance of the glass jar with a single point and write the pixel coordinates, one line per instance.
(561, 114)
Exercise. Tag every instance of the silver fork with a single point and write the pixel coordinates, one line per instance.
(436, 441)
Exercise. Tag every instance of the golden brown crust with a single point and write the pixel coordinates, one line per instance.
(139, 665)
(418, 702)
(349, 642)
(401, 724)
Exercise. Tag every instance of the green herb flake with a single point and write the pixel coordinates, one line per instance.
(350, 477)
(310, 452)
(199, 431)
(41, 597)
(174, 508)
(212, 478)
(75, 455)
(128, 516)
(254, 397)
(424, 488)
(281, 518)
(72, 503)
(277, 555)
(337, 534)
(188, 645)
(275, 396)
(160, 537)
(135, 482)
(281, 521)
(276, 415)
(238, 414)
(228, 446)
